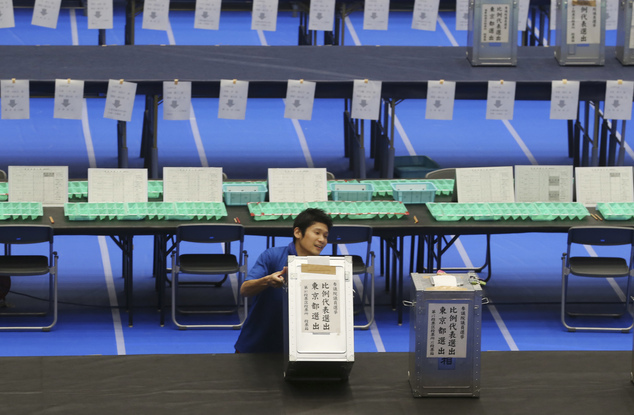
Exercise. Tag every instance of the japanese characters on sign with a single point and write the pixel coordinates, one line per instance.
(584, 22)
(447, 330)
(321, 306)
(495, 23)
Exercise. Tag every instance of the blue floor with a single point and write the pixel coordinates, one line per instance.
(523, 294)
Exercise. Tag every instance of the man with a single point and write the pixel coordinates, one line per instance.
(263, 330)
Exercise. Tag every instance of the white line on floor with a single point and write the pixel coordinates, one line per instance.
(448, 33)
(502, 327)
(73, 27)
(112, 295)
(520, 142)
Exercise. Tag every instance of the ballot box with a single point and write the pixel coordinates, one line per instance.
(445, 325)
(492, 32)
(580, 34)
(625, 34)
(319, 323)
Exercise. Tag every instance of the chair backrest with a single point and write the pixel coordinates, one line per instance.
(25, 234)
(210, 233)
(449, 173)
(349, 234)
(601, 235)
(3, 175)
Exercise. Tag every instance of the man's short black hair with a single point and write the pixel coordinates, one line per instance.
(310, 216)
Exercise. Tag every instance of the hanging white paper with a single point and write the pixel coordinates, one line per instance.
(100, 14)
(425, 15)
(543, 184)
(45, 184)
(45, 13)
(117, 185)
(495, 23)
(366, 99)
(485, 185)
(156, 14)
(522, 16)
(14, 96)
(462, 14)
(500, 100)
(232, 102)
(207, 15)
(604, 184)
(440, 100)
(177, 100)
(584, 24)
(611, 14)
(300, 96)
(618, 100)
(192, 184)
(264, 15)
(376, 14)
(69, 99)
(321, 15)
(120, 100)
(297, 185)
(7, 19)
(564, 100)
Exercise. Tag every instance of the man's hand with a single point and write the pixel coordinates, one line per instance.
(276, 279)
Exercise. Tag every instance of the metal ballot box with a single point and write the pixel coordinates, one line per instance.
(319, 324)
(580, 34)
(445, 325)
(625, 34)
(492, 35)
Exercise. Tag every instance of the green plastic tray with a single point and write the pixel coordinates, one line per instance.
(143, 210)
(351, 210)
(506, 211)
(616, 211)
(20, 210)
(552, 211)
(4, 191)
(94, 211)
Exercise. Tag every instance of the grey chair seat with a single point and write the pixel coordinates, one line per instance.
(209, 264)
(599, 267)
(23, 265)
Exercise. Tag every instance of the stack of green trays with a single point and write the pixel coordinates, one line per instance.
(443, 186)
(4, 191)
(512, 210)
(275, 210)
(383, 188)
(505, 211)
(616, 211)
(149, 210)
(77, 189)
(20, 210)
(94, 211)
(560, 210)
(199, 210)
(154, 189)
(350, 210)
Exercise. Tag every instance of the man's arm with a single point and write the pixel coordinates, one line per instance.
(253, 287)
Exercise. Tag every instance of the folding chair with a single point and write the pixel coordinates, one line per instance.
(352, 234)
(597, 267)
(208, 264)
(30, 265)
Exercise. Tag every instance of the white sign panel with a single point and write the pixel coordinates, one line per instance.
(264, 15)
(192, 184)
(300, 96)
(156, 14)
(500, 100)
(447, 325)
(69, 99)
(177, 100)
(45, 13)
(440, 100)
(14, 98)
(366, 99)
(425, 15)
(297, 185)
(321, 15)
(543, 184)
(564, 100)
(485, 185)
(522, 17)
(604, 184)
(495, 23)
(321, 306)
(618, 100)
(584, 24)
(232, 103)
(117, 185)
(462, 15)
(207, 15)
(611, 14)
(7, 19)
(45, 184)
(376, 14)
(100, 14)
(120, 100)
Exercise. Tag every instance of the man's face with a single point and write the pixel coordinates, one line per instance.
(313, 241)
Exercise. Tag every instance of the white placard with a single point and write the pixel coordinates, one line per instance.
(321, 15)
(543, 184)
(485, 184)
(618, 100)
(14, 97)
(604, 184)
(120, 100)
(45, 13)
(45, 184)
(156, 14)
(366, 99)
(69, 99)
(584, 24)
(447, 326)
(232, 102)
(495, 23)
(553, 13)
(321, 304)
(7, 19)
(300, 96)
(117, 185)
(207, 15)
(297, 185)
(522, 16)
(500, 100)
(376, 14)
(444, 280)
(425, 15)
(177, 100)
(564, 100)
(100, 14)
(462, 14)
(264, 15)
(611, 14)
(440, 100)
(192, 184)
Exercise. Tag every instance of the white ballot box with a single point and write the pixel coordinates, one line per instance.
(624, 33)
(445, 323)
(580, 34)
(320, 318)
(492, 32)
